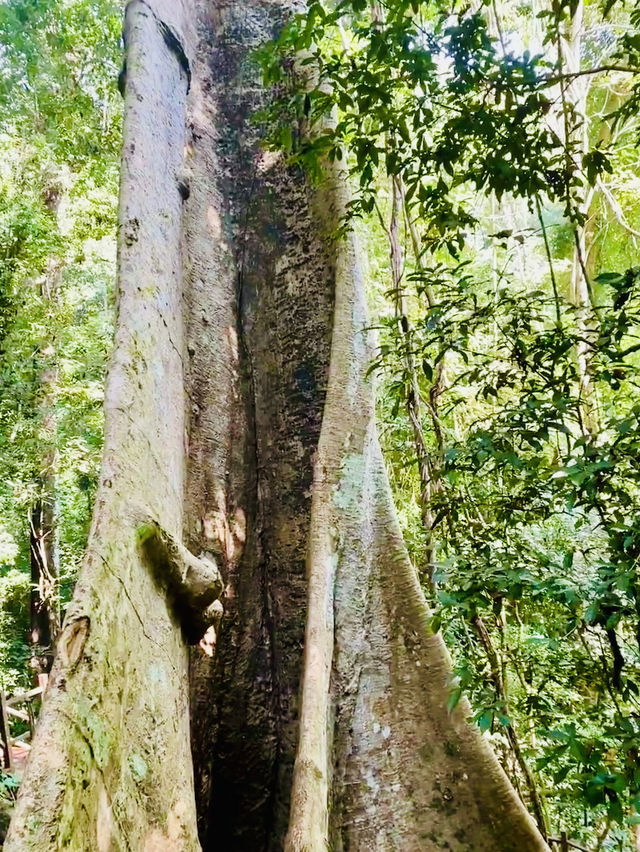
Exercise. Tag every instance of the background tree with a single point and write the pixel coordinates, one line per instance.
(60, 148)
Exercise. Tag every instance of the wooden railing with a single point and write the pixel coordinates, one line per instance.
(9, 705)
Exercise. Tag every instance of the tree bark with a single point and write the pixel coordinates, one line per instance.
(320, 720)
(576, 139)
(45, 593)
(44, 603)
(111, 766)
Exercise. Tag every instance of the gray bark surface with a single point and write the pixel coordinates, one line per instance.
(241, 423)
(111, 765)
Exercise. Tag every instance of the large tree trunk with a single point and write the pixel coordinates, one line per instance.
(111, 766)
(320, 720)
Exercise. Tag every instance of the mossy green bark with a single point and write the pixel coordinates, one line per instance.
(118, 697)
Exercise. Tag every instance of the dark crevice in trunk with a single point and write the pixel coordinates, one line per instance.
(267, 623)
(283, 312)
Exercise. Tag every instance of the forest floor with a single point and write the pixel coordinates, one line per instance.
(19, 755)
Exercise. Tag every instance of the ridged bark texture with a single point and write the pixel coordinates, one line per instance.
(319, 721)
(111, 766)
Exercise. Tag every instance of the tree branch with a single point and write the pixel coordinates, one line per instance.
(552, 79)
(193, 584)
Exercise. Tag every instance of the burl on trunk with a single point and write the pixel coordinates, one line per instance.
(241, 453)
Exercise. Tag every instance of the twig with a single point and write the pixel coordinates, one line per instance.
(616, 209)
(601, 69)
(568, 843)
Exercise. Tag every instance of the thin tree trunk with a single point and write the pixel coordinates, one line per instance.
(498, 679)
(45, 599)
(44, 605)
(432, 462)
(322, 717)
(414, 402)
(575, 136)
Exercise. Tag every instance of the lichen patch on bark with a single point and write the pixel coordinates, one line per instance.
(72, 641)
